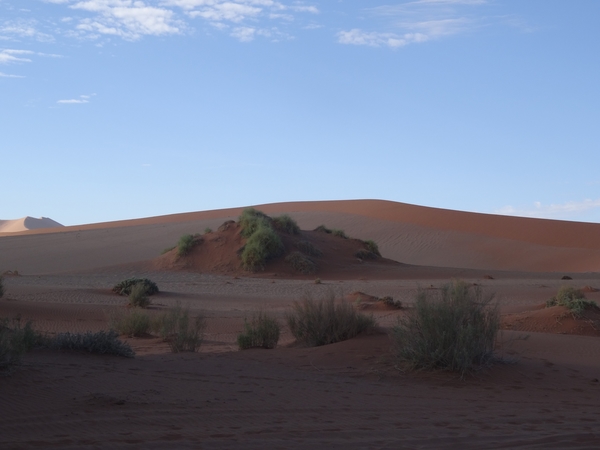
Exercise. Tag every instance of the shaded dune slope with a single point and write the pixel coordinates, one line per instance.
(410, 234)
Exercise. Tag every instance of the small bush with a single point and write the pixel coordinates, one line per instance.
(339, 233)
(573, 299)
(138, 297)
(261, 332)
(15, 340)
(363, 254)
(250, 220)
(323, 229)
(372, 247)
(183, 333)
(301, 263)
(322, 322)
(455, 332)
(308, 248)
(286, 224)
(389, 301)
(186, 243)
(207, 230)
(318, 281)
(261, 246)
(102, 342)
(124, 287)
(133, 323)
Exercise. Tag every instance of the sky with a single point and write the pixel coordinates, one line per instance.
(119, 109)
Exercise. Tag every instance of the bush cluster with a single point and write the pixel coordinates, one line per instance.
(124, 287)
(372, 247)
(455, 331)
(102, 342)
(321, 322)
(573, 299)
(263, 242)
(301, 263)
(15, 340)
(186, 243)
(261, 332)
(286, 224)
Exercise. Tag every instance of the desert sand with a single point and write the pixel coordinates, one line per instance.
(27, 224)
(544, 394)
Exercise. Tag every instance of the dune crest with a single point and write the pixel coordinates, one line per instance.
(27, 223)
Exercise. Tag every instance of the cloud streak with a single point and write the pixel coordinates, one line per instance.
(553, 211)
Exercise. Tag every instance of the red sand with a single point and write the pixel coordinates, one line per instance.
(545, 394)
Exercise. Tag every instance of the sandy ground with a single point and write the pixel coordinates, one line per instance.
(544, 394)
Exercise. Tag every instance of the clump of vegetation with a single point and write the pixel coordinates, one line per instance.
(261, 332)
(15, 340)
(182, 332)
(321, 322)
(339, 233)
(308, 248)
(186, 243)
(251, 219)
(318, 281)
(363, 254)
(323, 229)
(389, 301)
(372, 247)
(573, 299)
(101, 342)
(207, 230)
(301, 263)
(262, 245)
(455, 332)
(286, 224)
(138, 298)
(124, 287)
(133, 323)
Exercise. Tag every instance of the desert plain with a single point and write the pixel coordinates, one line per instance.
(544, 391)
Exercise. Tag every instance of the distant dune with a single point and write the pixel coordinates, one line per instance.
(26, 224)
(405, 233)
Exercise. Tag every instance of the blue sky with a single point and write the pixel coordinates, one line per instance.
(116, 109)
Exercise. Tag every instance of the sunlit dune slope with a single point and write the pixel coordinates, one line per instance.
(26, 224)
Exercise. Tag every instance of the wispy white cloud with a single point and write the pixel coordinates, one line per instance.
(8, 56)
(553, 211)
(76, 101)
(8, 75)
(416, 22)
(23, 28)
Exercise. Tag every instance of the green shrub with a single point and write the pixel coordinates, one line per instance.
(262, 245)
(138, 297)
(102, 342)
(207, 230)
(186, 243)
(455, 332)
(339, 233)
(286, 224)
(124, 287)
(323, 229)
(372, 247)
(573, 299)
(261, 332)
(308, 248)
(363, 254)
(15, 340)
(133, 323)
(183, 333)
(322, 322)
(301, 263)
(250, 220)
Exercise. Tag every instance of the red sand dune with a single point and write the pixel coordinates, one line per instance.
(405, 233)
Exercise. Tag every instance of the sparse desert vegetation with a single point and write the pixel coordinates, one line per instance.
(263, 244)
(138, 297)
(455, 331)
(573, 299)
(101, 342)
(262, 331)
(183, 332)
(286, 224)
(186, 243)
(124, 287)
(131, 322)
(325, 321)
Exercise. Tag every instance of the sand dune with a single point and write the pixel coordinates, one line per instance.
(26, 224)
(405, 233)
